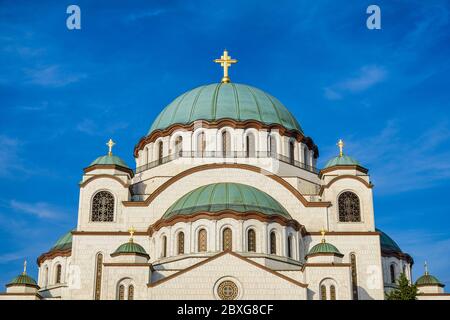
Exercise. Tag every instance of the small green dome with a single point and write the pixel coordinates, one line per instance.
(63, 243)
(130, 247)
(109, 159)
(324, 247)
(341, 161)
(428, 280)
(22, 279)
(217, 101)
(387, 244)
(226, 196)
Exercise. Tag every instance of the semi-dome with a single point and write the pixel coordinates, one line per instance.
(109, 159)
(226, 196)
(130, 248)
(343, 160)
(23, 280)
(217, 101)
(324, 248)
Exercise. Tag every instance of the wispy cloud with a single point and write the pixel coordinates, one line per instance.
(144, 15)
(9, 158)
(92, 128)
(52, 76)
(39, 209)
(365, 78)
(400, 163)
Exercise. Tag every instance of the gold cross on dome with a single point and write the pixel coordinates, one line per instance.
(24, 267)
(225, 61)
(132, 230)
(340, 144)
(322, 232)
(110, 145)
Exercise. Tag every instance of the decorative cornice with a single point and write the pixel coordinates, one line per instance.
(37, 295)
(116, 254)
(226, 122)
(398, 255)
(226, 214)
(108, 233)
(53, 254)
(109, 166)
(343, 167)
(98, 176)
(158, 282)
(118, 264)
(340, 255)
(345, 176)
(434, 294)
(344, 233)
(327, 265)
(212, 166)
(22, 285)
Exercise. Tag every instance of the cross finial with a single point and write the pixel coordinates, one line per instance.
(24, 267)
(322, 232)
(340, 144)
(426, 268)
(110, 145)
(225, 61)
(132, 230)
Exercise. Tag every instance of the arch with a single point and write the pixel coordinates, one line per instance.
(202, 240)
(323, 292)
(291, 151)
(332, 292)
(273, 242)
(58, 273)
(46, 276)
(99, 176)
(226, 143)
(178, 147)
(102, 207)
(164, 246)
(251, 240)
(213, 166)
(200, 144)
(305, 155)
(98, 276)
(392, 272)
(160, 151)
(227, 239)
(250, 145)
(289, 245)
(354, 276)
(130, 292)
(180, 242)
(272, 145)
(349, 207)
(121, 292)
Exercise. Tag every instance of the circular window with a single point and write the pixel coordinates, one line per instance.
(227, 290)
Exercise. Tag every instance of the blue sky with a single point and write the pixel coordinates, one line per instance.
(64, 93)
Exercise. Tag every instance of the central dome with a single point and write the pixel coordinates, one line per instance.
(217, 101)
(217, 197)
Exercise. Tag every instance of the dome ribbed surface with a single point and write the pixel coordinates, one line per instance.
(387, 243)
(428, 279)
(130, 247)
(217, 101)
(23, 279)
(109, 160)
(226, 196)
(324, 247)
(63, 243)
(341, 161)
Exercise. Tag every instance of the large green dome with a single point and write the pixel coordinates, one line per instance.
(109, 159)
(387, 243)
(225, 101)
(63, 243)
(226, 196)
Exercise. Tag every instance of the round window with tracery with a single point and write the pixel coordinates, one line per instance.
(227, 290)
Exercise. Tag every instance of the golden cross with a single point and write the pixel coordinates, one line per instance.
(322, 232)
(426, 268)
(110, 145)
(24, 267)
(132, 230)
(340, 144)
(225, 61)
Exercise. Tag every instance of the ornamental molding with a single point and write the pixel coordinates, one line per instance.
(53, 254)
(99, 176)
(345, 176)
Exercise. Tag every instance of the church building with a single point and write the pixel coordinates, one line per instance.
(225, 201)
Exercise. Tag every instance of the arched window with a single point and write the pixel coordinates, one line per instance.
(250, 146)
(202, 241)
(323, 292)
(354, 276)
(332, 292)
(273, 243)
(98, 276)
(58, 274)
(180, 243)
(121, 292)
(164, 247)
(348, 206)
(272, 145)
(251, 240)
(160, 152)
(392, 271)
(226, 144)
(305, 156)
(130, 292)
(291, 152)
(178, 147)
(227, 239)
(289, 246)
(46, 276)
(103, 207)
(201, 144)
